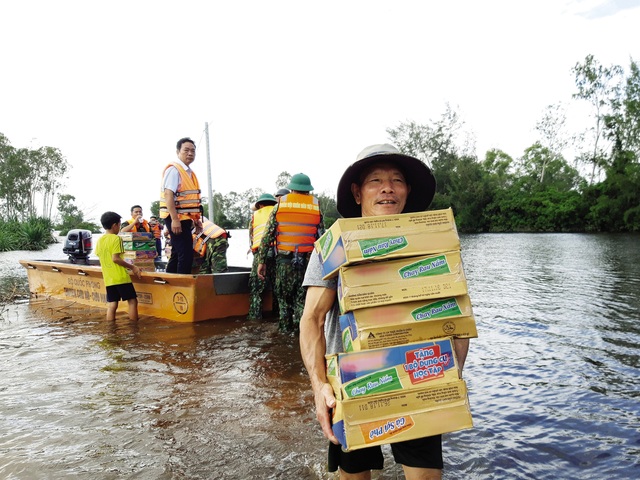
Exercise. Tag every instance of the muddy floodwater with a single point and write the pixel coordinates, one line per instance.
(554, 378)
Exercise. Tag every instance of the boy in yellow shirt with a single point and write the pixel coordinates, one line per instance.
(109, 250)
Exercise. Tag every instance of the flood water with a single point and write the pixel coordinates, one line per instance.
(554, 378)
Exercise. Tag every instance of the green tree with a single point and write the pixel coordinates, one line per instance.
(597, 85)
(283, 180)
(71, 216)
(155, 208)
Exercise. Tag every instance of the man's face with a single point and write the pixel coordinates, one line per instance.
(383, 191)
(136, 212)
(187, 153)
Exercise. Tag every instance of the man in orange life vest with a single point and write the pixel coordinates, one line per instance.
(211, 244)
(294, 225)
(263, 208)
(156, 228)
(180, 206)
(137, 223)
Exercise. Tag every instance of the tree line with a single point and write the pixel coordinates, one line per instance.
(594, 188)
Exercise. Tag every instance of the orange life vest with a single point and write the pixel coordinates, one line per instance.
(298, 216)
(156, 230)
(209, 230)
(145, 226)
(187, 198)
(259, 226)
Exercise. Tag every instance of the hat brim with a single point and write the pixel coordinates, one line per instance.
(416, 172)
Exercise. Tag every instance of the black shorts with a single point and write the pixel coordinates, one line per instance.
(123, 291)
(420, 453)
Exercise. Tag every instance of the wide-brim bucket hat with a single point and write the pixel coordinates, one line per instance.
(266, 199)
(416, 173)
(300, 182)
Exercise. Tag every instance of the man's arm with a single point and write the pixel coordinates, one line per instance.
(118, 260)
(173, 213)
(318, 302)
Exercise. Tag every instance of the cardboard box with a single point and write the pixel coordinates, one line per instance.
(403, 415)
(139, 245)
(355, 240)
(140, 254)
(400, 367)
(408, 322)
(403, 280)
(131, 236)
(144, 264)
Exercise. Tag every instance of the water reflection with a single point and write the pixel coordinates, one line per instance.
(553, 379)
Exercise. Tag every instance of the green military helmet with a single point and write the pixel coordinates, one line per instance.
(265, 199)
(300, 182)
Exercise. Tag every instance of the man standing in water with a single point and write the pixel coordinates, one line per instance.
(180, 206)
(382, 181)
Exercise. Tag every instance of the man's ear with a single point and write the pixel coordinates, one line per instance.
(355, 191)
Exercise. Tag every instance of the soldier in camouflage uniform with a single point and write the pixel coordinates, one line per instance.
(294, 225)
(257, 228)
(213, 240)
(215, 258)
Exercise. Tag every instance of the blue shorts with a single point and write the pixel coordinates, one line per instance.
(123, 291)
(420, 453)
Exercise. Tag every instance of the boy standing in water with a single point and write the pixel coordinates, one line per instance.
(109, 250)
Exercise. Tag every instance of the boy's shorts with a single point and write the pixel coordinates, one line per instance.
(421, 453)
(123, 291)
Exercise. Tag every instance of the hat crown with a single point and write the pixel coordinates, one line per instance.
(379, 149)
(300, 182)
(266, 197)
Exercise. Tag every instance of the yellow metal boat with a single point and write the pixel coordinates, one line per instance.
(177, 297)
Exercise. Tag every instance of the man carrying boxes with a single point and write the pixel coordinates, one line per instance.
(422, 388)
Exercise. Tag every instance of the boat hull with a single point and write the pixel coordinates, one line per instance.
(176, 297)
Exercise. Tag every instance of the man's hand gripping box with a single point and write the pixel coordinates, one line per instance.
(404, 280)
(408, 322)
(355, 240)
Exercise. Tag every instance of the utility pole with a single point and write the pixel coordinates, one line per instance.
(206, 132)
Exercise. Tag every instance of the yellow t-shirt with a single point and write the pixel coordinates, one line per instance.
(112, 273)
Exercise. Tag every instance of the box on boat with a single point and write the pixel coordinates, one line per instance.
(401, 415)
(144, 264)
(355, 240)
(401, 367)
(140, 254)
(139, 244)
(395, 324)
(132, 236)
(403, 280)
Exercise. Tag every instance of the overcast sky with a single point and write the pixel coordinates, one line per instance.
(294, 86)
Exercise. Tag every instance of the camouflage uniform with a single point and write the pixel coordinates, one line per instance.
(215, 258)
(258, 286)
(290, 270)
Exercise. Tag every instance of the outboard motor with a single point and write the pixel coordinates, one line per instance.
(78, 245)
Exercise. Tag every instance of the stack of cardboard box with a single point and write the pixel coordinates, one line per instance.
(140, 250)
(403, 298)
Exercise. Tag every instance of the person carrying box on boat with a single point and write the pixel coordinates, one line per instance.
(262, 211)
(180, 206)
(211, 244)
(294, 225)
(109, 250)
(382, 181)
